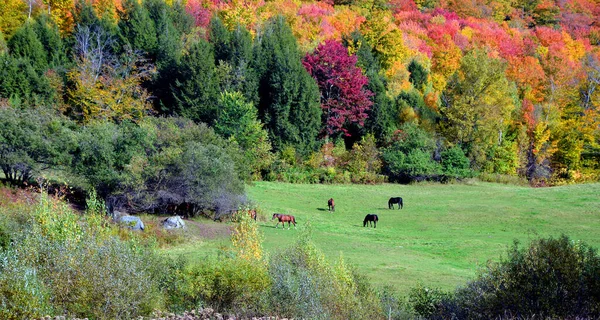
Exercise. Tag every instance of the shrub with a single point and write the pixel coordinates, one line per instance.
(223, 284)
(74, 265)
(313, 289)
(455, 163)
(22, 292)
(552, 278)
(424, 301)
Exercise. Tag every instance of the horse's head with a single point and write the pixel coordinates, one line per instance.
(275, 215)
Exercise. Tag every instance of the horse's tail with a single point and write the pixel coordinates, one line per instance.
(376, 218)
(401, 205)
(390, 203)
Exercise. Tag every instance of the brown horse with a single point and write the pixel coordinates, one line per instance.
(283, 218)
(331, 204)
(252, 214)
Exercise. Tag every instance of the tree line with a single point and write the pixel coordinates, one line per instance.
(360, 107)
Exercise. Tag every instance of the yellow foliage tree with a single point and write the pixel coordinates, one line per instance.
(247, 239)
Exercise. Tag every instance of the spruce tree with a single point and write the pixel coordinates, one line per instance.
(25, 44)
(49, 35)
(196, 88)
(220, 38)
(381, 116)
(3, 45)
(288, 96)
(418, 75)
(136, 27)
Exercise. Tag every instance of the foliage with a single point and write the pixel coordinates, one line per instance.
(104, 86)
(410, 156)
(289, 97)
(315, 289)
(196, 88)
(476, 105)
(108, 277)
(344, 98)
(32, 141)
(238, 121)
(161, 162)
(554, 278)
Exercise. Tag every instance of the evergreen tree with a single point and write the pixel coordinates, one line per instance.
(49, 35)
(220, 38)
(182, 20)
(168, 56)
(20, 82)
(3, 45)
(289, 97)
(196, 88)
(25, 44)
(381, 116)
(235, 60)
(418, 75)
(137, 28)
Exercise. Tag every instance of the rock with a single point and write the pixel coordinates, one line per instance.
(133, 223)
(173, 223)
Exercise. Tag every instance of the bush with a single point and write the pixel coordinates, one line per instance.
(22, 292)
(71, 265)
(552, 278)
(313, 289)
(161, 163)
(225, 285)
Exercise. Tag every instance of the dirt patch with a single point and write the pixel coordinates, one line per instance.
(209, 230)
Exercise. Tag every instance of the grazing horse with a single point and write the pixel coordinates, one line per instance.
(331, 204)
(371, 218)
(283, 218)
(396, 200)
(252, 214)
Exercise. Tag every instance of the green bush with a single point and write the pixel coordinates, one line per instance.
(313, 289)
(228, 284)
(67, 264)
(552, 278)
(424, 301)
(22, 291)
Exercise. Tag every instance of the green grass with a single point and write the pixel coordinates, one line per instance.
(440, 238)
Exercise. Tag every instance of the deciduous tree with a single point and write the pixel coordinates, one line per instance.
(344, 96)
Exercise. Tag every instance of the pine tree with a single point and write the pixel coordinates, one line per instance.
(25, 44)
(220, 38)
(196, 88)
(49, 35)
(418, 75)
(289, 97)
(380, 121)
(137, 28)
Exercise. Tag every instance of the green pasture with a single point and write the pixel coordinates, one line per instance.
(440, 238)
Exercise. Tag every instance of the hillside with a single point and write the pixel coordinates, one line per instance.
(432, 90)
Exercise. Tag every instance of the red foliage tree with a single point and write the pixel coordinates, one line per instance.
(344, 96)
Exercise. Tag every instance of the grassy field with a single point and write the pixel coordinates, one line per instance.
(440, 238)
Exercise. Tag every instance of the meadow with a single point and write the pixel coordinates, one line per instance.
(442, 236)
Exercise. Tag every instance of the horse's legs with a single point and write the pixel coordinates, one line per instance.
(375, 224)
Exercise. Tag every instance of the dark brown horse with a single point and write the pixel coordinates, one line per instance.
(331, 204)
(371, 218)
(396, 200)
(283, 218)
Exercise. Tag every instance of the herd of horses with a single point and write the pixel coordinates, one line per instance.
(370, 219)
